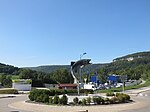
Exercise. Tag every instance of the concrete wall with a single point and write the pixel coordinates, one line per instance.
(22, 87)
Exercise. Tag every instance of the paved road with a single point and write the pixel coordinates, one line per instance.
(142, 97)
(5, 101)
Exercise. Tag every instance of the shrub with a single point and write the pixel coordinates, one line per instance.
(127, 97)
(122, 97)
(89, 100)
(51, 100)
(95, 100)
(117, 94)
(38, 98)
(110, 94)
(80, 102)
(56, 99)
(86, 91)
(45, 98)
(31, 96)
(52, 92)
(98, 100)
(113, 100)
(39, 95)
(64, 100)
(59, 101)
(76, 100)
(83, 101)
(106, 101)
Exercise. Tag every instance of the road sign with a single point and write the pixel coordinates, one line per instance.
(123, 78)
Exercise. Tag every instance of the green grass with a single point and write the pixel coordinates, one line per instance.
(8, 91)
(147, 83)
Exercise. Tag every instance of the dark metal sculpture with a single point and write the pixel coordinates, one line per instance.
(75, 66)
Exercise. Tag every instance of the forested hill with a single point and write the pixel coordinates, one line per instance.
(49, 68)
(134, 56)
(135, 65)
(52, 68)
(8, 69)
(126, 62)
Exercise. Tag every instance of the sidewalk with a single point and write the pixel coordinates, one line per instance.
(7, 95)
(137, 91)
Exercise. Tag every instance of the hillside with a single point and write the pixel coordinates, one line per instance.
(8, 69)
(52, 68)
(130, 61)
(134, 56)
(136, 65)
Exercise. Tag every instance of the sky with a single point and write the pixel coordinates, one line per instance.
(54, 32)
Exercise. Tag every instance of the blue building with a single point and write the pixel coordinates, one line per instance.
(113, 78)
(94, 79)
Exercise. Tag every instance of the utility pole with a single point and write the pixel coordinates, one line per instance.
(80, 74)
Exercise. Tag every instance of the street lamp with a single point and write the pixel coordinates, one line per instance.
(81, 55)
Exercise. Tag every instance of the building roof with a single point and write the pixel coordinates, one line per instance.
(67, 85)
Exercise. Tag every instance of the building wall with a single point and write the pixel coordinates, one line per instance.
(22, 87)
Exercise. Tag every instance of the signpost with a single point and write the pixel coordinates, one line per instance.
(123, 80)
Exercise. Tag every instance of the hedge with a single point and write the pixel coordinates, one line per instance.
(39, 95)
(8, 91)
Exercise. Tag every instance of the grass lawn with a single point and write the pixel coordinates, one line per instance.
(147, 83)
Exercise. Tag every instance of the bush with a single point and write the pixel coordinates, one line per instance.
(86, 91)
(106, 101)
(76, 100)
(80, 102)
(31, 96)
(89, 100)
(51, 100)
(56, 99)
(117, 94)
(52, 92)
(122, 97)
(110, 94)
(83, 101)
(45, 98)
(8, 91)
(98, 100)
(64, 100)
(95, 100)
(38, 98)
(39, 95)
(113, 100)
(127, 97)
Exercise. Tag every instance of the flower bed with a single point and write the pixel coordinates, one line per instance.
(43, 96)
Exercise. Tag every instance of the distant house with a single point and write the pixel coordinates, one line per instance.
(22, 84)
(130, 59)
(67, 86)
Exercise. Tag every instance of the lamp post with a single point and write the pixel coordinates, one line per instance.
(81, 55)
(79, 81)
